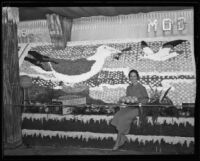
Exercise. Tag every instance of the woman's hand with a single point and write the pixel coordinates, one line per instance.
(122, 99)
(133, 99)
(122, 105)
(136, 99)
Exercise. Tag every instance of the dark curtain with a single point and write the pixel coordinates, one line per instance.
(12, 94)
(59, 29)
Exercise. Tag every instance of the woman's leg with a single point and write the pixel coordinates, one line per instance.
(121, 139)
(116, 146)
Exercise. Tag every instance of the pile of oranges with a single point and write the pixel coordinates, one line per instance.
(128, 99)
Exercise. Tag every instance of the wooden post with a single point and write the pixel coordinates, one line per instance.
(12, 93)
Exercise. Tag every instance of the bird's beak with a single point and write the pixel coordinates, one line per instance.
(126, 49)
(116, 56)
(121, 52)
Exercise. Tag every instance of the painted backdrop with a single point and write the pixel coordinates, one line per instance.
(110, 83)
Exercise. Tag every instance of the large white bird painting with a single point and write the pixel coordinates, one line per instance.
(165, 52)
(72, 71)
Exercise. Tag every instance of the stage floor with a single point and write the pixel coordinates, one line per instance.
(47, 150)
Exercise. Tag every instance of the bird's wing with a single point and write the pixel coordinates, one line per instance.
(147, 51)
(126, 49)
(152, 57)
(38, 56)
(173, 43)
(164, 51)
(32, 61)
(144, 44)
(122, 52)
(75, 67)
(171, 55)
(40, 70)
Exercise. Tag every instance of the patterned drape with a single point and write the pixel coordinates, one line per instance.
(59, 29)
(132, 26)
(11, 88)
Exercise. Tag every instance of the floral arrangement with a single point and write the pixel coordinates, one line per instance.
(93, 109)
(156, 97)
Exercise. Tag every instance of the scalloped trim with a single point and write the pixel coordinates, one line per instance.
(89, 135)
(98, 118)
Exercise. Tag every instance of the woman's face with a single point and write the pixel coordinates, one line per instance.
(133, 77)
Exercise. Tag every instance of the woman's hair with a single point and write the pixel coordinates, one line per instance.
(134, 71)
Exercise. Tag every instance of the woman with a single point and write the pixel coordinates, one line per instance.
(122, 119)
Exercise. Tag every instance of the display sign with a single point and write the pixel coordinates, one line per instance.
(167, 24)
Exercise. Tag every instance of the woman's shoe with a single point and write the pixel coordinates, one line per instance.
(115, 148)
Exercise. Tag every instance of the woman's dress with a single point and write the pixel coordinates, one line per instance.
(123, 118)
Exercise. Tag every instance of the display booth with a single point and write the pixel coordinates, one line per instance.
(72, 107)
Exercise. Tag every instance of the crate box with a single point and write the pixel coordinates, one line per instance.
(71, 100)
(66, 110)
(77, 101)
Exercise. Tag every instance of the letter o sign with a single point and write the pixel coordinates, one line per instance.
(24, 33)
(167, 24)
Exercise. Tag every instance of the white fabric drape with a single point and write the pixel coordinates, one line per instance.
(59, 30)
(33, 31)
(133, 26)
(129, 26)
(11, 85)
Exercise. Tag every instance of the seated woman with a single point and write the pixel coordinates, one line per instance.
(123, 118)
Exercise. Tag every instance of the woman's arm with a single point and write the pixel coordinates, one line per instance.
(144, 96)
(128, 91)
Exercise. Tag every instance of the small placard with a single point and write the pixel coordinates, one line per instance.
(67, 110)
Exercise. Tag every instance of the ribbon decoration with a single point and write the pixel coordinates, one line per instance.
(59, 29)
(10, 14)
